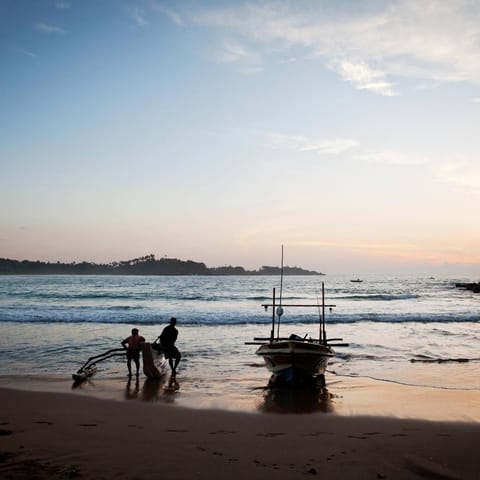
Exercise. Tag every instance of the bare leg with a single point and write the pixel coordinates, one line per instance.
(177, 361)
(137, 364)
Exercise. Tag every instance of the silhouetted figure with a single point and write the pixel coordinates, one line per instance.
(132, 345)
(167, 340)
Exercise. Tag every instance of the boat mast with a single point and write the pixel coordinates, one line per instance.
(323, 315)
(279, 308)
(272, 332)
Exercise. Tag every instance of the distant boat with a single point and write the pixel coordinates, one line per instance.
(357, 280)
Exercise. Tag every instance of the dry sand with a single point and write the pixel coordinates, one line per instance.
(53, 436)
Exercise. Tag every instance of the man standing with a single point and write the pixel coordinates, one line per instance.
(132, 345)
(167, 340)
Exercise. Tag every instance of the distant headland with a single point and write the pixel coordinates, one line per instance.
(147, 265)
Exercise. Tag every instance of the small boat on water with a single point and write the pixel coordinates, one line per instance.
(296, 361)
(357, 280)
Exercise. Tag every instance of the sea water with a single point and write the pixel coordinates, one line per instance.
(409, 330)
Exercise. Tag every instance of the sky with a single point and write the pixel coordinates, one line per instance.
(217, 131)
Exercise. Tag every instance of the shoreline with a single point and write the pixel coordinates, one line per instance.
(60, 435)
(345, 396)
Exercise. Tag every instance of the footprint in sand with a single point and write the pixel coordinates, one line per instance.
(87, 424)
(43, 422)
(270, 434)
(222, 432)
(5, 432)
(176, 431)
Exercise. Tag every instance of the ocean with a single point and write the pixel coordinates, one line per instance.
(407, 330)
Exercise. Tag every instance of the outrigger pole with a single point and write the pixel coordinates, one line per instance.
(103, 356)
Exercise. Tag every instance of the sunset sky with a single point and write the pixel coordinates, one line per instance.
(218, 130)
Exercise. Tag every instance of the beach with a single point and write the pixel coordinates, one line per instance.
(55, 436)
(402, 397)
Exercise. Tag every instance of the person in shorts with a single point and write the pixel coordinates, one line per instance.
(133, 346)
(168, 338)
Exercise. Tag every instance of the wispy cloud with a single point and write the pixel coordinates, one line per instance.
(62, 5)
(138, 16)
(462, 174)
(406, 251)
(172, 14)
(28, 53)
(242, 58)
(391, 158)
(363, 77)
(373, 247)
(46, 28)
(476, 100)
(432, 41)
(334, 146)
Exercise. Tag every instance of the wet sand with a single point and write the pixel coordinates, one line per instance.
(56, 436)
(346, 396)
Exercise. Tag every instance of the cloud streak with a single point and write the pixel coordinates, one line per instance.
(461, 173)
(429, 41)
(138, 16)
(391, 158)
(363, 77)
(62, 5)
(170, 13)
(243, 59)
(333, 146)
(49, 29)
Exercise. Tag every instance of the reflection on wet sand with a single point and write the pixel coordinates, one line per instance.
(290, 400)
(154, 389)
(173, 385)
(81, 384)
(131, 392)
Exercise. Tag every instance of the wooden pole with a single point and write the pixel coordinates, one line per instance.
(281, 291)
(272, 333)
(323, 314)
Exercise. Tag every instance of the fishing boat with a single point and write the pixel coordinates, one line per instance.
(294, 360)
(357, 280)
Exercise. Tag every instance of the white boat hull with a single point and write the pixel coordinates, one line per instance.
(154, 363)
(295, 361)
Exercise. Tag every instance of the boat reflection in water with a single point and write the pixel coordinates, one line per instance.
(158, 389)
(289, 400)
